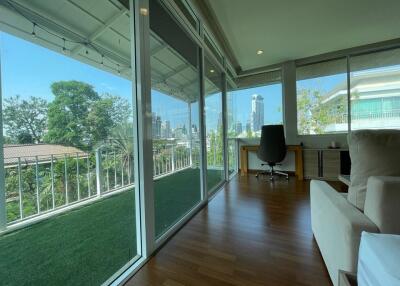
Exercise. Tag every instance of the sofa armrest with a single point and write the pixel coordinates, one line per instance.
(337, 227)
(382, 203)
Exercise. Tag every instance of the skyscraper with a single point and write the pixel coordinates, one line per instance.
(238, 128)
(156, 125)
(166, 129)
(257, 112)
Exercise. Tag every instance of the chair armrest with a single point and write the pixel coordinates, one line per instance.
(337, 227)
(382, 203)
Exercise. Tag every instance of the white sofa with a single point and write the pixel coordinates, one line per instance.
(338, 219)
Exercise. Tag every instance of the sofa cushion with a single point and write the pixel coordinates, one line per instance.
(372, 153)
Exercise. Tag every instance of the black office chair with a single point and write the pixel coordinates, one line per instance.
(272, 149)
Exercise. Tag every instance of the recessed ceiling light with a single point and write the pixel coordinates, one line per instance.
(212, 71)
(260, 52)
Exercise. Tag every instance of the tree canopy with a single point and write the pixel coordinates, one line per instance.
(80, 117)
(25, 121)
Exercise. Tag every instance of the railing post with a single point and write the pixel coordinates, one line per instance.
(122, 170)
(53, 200)
(88, 174)
(37, 184)
(173, 157)
(115, 170)
(66, 179)
(108, 172)
(215, 152)
(77, 177)
(21, 205)
(98, 172)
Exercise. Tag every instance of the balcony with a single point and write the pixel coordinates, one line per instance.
(77, 202)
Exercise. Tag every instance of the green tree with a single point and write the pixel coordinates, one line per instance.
(25, 121)
(80, 117)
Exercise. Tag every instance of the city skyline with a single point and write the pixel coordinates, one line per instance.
(20, 58)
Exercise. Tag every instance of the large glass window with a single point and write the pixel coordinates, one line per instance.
(214, 125)
(248, 109)
(322, 98)
(175, 98)
(68, 142)
(375, 95)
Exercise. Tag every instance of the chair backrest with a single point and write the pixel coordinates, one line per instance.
(272, 144)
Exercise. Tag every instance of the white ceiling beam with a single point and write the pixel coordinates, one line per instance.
(99, 31)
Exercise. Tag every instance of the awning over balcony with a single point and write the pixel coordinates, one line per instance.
(97, 32)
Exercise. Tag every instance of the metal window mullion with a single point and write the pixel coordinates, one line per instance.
(143, 143)
(190, 132)
(202, 129)
(348, 94)
(3, 208)
(225, 155)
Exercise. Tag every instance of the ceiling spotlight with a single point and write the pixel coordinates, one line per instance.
(212, 71)
(260, 52)
(144, 11)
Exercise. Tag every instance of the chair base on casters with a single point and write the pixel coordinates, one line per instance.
(272, 173)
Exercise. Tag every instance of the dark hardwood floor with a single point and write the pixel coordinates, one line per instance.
(252, 233)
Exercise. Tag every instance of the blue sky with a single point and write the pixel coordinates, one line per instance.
(29, 70)
(241, 103)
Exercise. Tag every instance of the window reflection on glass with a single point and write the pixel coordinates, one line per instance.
(214, 125)
(322, 98)
(68, 143)
(249, 109)
(375, 96)
(175, 96)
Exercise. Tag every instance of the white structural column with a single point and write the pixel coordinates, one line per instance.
(3, 217)
(143, 128)
(289, 101)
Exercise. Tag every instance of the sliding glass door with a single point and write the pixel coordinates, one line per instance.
(214, 125)
(68, 143)
(175, 95)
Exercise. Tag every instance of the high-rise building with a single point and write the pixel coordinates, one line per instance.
(219, 124)
(248, 127)
(238, 127)
(166, 129)
(156, 126)
(257, 112)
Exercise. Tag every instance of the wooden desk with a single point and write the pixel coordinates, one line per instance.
(244, 158)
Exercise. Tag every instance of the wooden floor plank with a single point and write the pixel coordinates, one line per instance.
(252, 233)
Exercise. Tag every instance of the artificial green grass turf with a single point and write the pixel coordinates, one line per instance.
(87, 245)
(82, 247)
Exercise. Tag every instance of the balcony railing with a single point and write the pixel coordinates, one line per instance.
(366, 115)
(44, 184)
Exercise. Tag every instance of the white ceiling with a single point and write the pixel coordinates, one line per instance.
(292, 29)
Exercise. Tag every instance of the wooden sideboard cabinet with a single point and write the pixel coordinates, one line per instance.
(325, 164)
